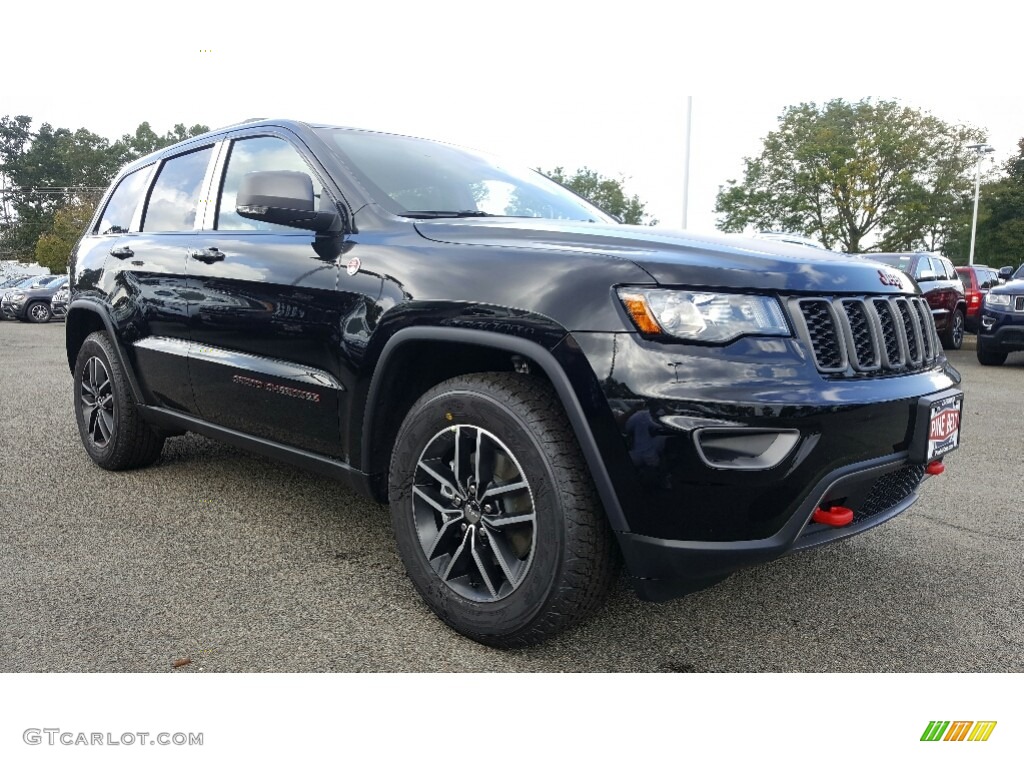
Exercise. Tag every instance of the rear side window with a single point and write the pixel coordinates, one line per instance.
(175, 197)
(117, 216)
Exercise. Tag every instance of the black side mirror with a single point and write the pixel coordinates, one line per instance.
(283, 197)
(1005, 273)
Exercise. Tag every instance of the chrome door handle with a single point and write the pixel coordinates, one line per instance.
(207, 255)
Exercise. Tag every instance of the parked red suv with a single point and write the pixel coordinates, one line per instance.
(977, 280)
(940, 286)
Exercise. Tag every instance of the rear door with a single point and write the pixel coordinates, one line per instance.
(267, 314)
(145, 270)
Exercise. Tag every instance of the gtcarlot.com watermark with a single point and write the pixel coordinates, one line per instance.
(57, 737)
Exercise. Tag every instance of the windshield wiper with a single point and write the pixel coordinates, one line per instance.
(446, 214)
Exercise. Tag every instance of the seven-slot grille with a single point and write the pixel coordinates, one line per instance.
(1018, 303)
(869, 334)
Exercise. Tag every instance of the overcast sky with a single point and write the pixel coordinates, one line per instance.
(546, 83)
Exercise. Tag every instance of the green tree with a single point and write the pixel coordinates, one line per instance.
(607, 194)
(858, 176)
(51, 169)
(54, 247)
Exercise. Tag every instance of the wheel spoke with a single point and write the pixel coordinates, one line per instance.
(504, 558)
(457, 462)
(458, 558)
(106, 423)
(499, 522)
(444, 481)
(484, 567)
(446, 537)
(498, 490)
(483, 468)
(419, 491)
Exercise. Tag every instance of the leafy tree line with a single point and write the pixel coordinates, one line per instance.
(867, 176)
(52, 179)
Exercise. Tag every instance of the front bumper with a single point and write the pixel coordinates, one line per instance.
(694, 518)
(12, 311)
(1001, 331)
(663, 569)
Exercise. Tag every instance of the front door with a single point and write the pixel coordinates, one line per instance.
(267, 314)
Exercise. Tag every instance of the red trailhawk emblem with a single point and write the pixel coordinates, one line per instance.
(890, 278)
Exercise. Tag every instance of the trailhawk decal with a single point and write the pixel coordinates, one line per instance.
(277, 389)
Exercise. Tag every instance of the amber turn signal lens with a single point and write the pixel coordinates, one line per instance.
(636, 305)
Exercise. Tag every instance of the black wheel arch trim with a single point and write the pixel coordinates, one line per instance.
(518, 346)
(103, 312)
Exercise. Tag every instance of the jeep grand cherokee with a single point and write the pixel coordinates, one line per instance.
(536, 390)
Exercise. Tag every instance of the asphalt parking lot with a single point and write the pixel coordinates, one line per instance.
(242, 564)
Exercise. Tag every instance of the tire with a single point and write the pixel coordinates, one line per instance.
(38, 312)
(988, 356)
(113, 434)
(953, 336)
(532, 560)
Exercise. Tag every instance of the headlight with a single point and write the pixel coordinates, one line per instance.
(16, 297)
(997, 300)
(702, 316)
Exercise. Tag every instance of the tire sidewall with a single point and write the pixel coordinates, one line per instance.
(473, 407)
(101, 455)
(956, 333)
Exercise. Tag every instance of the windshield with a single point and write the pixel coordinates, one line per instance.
(1019, 274)
(427, 179)
(35, 281)
(893, 260)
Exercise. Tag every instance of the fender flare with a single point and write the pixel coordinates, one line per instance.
(518, 346)
(103, 312)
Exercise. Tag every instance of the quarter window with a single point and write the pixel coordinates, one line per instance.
(263, 153)
(117, 216)
(175, 197)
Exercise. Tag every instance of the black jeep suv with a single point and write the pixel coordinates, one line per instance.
(537, 390)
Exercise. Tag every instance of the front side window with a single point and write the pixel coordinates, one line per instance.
(175, 197)
(263, 153)
(117, 216)
(926, 269)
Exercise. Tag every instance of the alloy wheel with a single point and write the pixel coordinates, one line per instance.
(474, 513)
(97, 402)
(39, 313)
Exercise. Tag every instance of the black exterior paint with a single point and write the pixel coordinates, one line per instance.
(283, 310)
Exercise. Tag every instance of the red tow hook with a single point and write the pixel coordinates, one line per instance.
(935, 468)
(837, 517)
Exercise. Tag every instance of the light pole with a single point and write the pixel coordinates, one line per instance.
(981, 149)
(686, 160)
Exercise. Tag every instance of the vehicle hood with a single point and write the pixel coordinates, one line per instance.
(1011, 286)
(680, 258)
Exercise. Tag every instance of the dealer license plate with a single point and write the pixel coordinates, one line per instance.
(944, 426)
